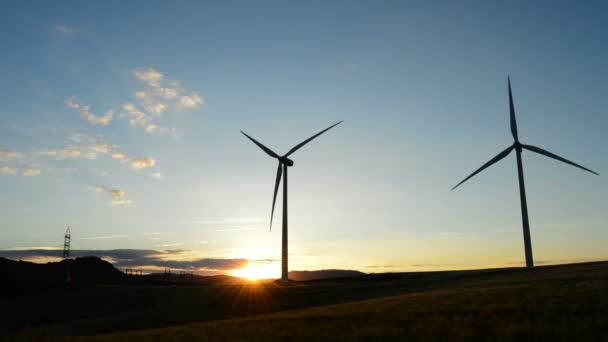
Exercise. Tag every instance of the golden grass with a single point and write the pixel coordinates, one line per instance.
(555, 303)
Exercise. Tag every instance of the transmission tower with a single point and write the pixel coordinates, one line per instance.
(66, 244)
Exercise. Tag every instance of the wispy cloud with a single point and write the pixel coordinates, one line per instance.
(63, 29)
(8, 170)
(119, 155)
(116, 195)
(28, 172)
(9, 155)
(143, 163)
(26, 166)
(107, 237)
(234, 229)
(151, 77)
(85, 112)
(88, 147)
(159, 96)
(232, 221)
(120, 202)
(156, 175)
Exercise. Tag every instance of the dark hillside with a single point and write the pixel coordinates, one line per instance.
(23, 276)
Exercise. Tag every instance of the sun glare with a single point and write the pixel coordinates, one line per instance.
(255, 271)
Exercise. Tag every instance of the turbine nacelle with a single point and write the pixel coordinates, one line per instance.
(286, 161)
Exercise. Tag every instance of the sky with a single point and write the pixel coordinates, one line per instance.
(122, 119)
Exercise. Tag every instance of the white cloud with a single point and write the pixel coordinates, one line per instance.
(120, 202)
(116, 195)
(156, 175)
(137, 117)
(90, 155)
(6, 154)
(68, 31)
(151, 128)
(24, 160)
(151, 77)
(86, 147)
(30, 172)
(7, 170)
(158, 97)
(85, 113)
(65, 152)
(191, 101)
(143, 163)
(119, 155)
(111, 192)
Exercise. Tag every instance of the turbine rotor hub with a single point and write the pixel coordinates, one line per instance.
(286, 161)
(517, 146)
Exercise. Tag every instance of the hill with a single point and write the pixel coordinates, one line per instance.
(323, 274)
(548, 303)
(544, 303)
(24, 277)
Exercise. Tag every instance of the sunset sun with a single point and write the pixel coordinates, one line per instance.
(255, 271)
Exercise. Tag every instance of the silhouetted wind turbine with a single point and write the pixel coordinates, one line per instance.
(284, 163)
(518, 146)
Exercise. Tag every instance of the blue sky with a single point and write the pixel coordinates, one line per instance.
(148, 99)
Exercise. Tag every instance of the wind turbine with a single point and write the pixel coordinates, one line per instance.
(284, 163)
(518, 147)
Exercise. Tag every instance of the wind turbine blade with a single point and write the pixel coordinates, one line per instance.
(276, 190)
(554, 156)
(498, 157)
(298, 146)
(512, 108)
(266, 149)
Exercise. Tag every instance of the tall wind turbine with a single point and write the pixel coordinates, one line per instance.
(284, 163)
(518, 146)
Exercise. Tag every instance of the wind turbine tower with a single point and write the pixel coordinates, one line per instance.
(519, 147)
(284, 163)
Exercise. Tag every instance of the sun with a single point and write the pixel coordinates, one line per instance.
(255, 271)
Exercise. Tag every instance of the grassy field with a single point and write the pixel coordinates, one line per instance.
(568, 302)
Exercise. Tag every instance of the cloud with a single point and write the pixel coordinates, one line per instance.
(151, 77)
(119, 155)
(116, 195)
(6, 154)
(156, 175)
(68, 31)
(233, 221)
(84, 146)
(143, 163)
(175, 259)
(137, 117)
(7, 170)
(85, 112)
(69, 151)
(120, 202)
(234, 229)
(30, 172)
(191, 101)
(159, 96)
(28, 168)
(112, 192)
(107, 237)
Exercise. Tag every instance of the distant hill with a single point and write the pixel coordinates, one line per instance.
(323, 274)
(23, 276)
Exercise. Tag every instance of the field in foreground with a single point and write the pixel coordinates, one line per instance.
(568, 302)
